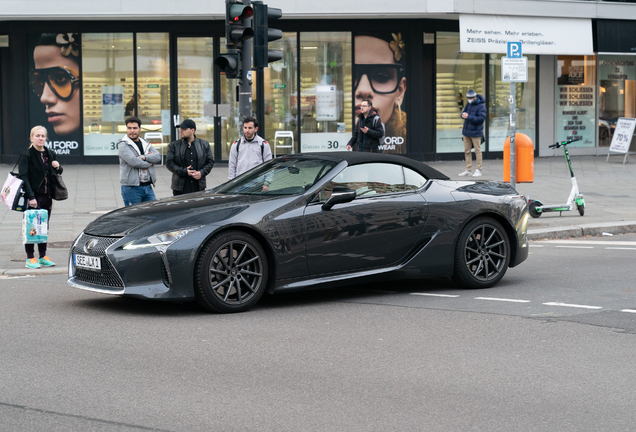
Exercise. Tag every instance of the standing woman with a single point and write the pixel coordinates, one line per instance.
(37, 169)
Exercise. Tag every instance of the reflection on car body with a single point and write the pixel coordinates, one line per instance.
(324, 220)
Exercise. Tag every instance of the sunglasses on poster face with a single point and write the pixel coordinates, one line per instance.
(61, 80)
(383, 78)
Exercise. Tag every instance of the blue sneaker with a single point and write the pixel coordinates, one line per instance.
(46, 262)
(32, 263)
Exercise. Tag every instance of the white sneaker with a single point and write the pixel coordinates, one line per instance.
(477, 173)
(464, 174)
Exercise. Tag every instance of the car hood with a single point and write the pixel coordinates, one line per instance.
(200, 208)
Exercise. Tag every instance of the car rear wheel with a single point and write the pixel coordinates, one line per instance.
(482, 255)
(231, 273)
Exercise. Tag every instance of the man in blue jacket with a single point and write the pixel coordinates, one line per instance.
(474, 115)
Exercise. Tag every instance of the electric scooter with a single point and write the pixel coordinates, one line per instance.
(537, 208)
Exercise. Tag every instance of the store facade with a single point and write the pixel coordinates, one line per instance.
(81, 79)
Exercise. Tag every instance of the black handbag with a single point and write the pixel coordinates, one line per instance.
(59, 191)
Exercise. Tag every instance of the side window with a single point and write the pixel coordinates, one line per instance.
(368, 179)
(413, 180)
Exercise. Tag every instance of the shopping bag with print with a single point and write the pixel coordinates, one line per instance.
(35, 226)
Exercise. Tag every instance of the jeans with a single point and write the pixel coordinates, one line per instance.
(137, 194)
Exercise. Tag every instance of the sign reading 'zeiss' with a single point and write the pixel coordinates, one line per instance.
(490, 34)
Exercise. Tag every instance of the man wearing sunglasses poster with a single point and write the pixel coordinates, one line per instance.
(55, 82)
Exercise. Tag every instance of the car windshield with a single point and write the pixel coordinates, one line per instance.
(281, 176)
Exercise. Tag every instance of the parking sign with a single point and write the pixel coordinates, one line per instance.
(514, 50)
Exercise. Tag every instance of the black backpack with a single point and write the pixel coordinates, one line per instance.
(238, 146)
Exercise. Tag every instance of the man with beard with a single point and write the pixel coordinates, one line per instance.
(248, 151)
(367, 131)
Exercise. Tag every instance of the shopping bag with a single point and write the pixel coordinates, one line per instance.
(59, 191)
(13, 195)
(35, 226)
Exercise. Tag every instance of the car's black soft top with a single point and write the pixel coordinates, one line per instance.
(354, 158)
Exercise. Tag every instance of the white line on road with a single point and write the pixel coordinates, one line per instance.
(535, 245)
(434, 295)
(620, 248)
(629, 310)
(502, 299)
(577, 247)
(592, 242)
(572, 305)
(15, 277)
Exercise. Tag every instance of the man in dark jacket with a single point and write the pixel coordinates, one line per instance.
(367, 131)
(189, 160)
(474, 115)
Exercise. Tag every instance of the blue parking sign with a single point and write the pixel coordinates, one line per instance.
(514, 50)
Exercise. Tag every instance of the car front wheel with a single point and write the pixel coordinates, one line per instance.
(231, 273)
(482, 255)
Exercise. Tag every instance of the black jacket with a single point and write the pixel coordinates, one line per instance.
(177, 165)
(33, 171)
(371, 140)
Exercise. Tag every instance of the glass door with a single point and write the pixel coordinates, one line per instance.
(195, 85)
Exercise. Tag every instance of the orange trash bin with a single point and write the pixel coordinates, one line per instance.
(524, 159)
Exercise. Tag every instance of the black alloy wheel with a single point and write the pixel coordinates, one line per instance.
(231, 273)
(482, 255)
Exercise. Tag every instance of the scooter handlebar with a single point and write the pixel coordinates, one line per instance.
(569, 141)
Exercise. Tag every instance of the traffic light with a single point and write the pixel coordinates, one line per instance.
(229, 64)
(235, 29)
(263, 34)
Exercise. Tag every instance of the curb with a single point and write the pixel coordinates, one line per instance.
(32, 272)
(573, 231)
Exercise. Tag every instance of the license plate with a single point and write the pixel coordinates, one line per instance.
(87, 262)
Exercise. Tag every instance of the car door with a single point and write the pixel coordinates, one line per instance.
(378, 228)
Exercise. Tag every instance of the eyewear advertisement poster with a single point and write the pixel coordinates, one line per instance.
(324, 142)
(55, 89)
(112, 103)
(380, 76)
(576, 112)
(622, 135)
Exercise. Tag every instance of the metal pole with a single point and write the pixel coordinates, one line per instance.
(513, 104)
(245, 81)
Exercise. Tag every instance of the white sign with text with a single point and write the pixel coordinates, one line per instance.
(491, 34)
(622, 135)
(324, 142)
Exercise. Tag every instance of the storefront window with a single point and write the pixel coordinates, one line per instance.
(153, 87)
(456, 74)
(617, 93)
(107, 89)
(281, 95)
(195, 84)
(498, 103)
(575, 100)
(326, 108)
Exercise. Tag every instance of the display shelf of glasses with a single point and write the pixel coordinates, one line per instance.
(192, 93)
(92, 94)
(153, 92)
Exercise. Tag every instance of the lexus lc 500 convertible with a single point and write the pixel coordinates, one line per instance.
(305, 221)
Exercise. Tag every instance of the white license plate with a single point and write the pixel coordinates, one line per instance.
(87, 262)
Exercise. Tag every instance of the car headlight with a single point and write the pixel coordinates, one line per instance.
(160, 241)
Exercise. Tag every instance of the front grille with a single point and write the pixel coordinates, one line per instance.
(108, 276)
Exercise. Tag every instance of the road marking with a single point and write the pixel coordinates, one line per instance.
(434, 295)
(374, 291)
(592, 242)
(15, 277)
(629, 310)
(535, 245)
(502, 299)
(617, 248)
(572, 305)
(577, 247)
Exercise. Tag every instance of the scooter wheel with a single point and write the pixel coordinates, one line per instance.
(532, 208)
(581, 209)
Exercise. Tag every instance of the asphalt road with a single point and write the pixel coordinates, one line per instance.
(550, 348)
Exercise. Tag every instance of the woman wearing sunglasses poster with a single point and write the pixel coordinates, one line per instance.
(55, 82)
(379, 73)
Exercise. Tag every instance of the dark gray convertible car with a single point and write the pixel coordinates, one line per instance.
(302, 222)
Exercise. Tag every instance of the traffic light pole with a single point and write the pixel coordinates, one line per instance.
(245, 80)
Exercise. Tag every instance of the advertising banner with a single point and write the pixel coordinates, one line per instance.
(489, 34)
(576, 113)
(55, 89)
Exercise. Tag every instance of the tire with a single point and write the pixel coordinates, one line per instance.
(231, 273)
(482, 254)
(532, 208)
(581, 209)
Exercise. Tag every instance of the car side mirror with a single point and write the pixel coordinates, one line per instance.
(339, 195)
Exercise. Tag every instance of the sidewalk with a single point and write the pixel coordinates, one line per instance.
(609, 190)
